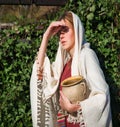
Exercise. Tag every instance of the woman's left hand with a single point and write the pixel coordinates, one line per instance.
(66, 104)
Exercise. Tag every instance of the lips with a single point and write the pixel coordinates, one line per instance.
(63, 42)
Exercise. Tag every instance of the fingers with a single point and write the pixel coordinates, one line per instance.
(63, 97)
(54, 28)
(63, 101)
(57, 24)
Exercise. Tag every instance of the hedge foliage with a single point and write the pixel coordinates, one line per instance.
(18, 47)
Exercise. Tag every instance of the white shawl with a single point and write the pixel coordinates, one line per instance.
(96, 109)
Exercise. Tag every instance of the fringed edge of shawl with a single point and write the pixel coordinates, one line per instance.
(42, 110)
(79, 119)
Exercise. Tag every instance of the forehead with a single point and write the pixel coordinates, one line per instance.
(67, 23)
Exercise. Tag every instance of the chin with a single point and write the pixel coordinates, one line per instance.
(65, 48)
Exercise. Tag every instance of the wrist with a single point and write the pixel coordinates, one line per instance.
(46, 36)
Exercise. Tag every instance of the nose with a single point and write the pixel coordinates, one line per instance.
(61, 35)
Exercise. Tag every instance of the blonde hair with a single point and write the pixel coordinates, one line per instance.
(67, 16)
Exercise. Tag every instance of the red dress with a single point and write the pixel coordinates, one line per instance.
(65, 74)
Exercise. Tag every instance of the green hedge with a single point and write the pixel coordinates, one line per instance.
(18, 47)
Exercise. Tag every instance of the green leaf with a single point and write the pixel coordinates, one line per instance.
(90, 16)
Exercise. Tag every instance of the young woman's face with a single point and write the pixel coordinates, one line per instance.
(67, 37)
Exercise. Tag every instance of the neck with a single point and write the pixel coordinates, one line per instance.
(71, 52)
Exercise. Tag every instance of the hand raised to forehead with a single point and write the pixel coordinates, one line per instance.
(54, 28)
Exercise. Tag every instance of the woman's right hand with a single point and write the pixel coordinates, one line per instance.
(53, 29)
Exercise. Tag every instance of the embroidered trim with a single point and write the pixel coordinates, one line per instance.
(42, 109)
(45, 110)
(78, 119)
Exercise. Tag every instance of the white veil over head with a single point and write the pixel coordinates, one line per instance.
(62, 55)
(79, 39)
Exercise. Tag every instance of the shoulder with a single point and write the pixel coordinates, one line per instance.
(86, 49)
(88, 53)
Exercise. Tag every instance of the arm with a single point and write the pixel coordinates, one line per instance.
(98, 102)
(66, 105)
(53, 28)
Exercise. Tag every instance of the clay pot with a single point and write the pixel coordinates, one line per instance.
(75, 88)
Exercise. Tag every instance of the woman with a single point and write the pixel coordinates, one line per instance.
(74, 57)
